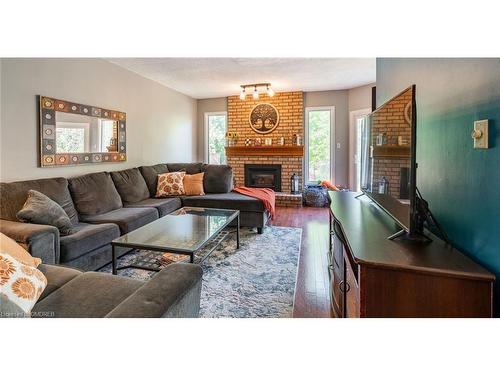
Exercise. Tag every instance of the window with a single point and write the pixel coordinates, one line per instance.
(215, 137)
(319, 144)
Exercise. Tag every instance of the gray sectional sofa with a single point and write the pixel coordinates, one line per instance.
(174, 292)
(102, 206)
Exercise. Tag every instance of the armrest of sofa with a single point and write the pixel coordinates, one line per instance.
(174, 292)
(41, 241)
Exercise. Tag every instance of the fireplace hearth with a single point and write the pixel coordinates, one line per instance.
(263, 176)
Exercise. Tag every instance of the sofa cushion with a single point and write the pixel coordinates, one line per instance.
(56, 276)
(127, 219)
(94, 194)
(163, 205)
(217, 179)
(150, 174)
(230, 201)
(130, 185)
(89, 295)
(40, 209)
(13, 195)
(87, 237)
(172, 292)
(189, 168)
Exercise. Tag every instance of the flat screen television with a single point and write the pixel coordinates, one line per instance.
(387, 160)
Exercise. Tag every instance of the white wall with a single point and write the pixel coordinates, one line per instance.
(161, 123)
(360, 97)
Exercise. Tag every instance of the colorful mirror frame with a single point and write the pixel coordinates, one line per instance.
(47, 125)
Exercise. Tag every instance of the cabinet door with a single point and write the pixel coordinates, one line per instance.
(337, 280)
(351, 289)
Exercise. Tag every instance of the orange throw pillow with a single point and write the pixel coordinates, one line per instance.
(329, 185)
(193, 184)
(170, 184)
(11, 247)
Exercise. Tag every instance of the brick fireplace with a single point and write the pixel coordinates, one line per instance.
(290, 106)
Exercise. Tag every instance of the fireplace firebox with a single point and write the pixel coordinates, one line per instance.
(263, 176)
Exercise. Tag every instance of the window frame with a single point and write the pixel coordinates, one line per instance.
(206, 131)
(332, 142)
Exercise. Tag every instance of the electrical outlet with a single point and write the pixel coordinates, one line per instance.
(480, 134)
(338, 145)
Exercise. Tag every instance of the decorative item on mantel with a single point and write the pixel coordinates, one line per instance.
(268, 141)
(297, 140)
(232, 138)
(258, 142)
(248, 142)
(281, 141)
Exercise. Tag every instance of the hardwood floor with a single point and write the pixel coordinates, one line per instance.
(312, 290)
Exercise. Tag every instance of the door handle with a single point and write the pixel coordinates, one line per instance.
(347, 289)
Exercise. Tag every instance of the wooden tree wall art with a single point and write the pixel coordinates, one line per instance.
(264, 118)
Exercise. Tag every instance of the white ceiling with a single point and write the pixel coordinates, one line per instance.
(218, 77)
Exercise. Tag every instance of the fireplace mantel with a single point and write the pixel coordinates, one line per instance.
(297, 151)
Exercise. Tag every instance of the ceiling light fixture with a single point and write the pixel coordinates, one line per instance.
(255, 95)
(270, 91)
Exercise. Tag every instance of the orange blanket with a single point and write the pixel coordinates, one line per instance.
(267, 196)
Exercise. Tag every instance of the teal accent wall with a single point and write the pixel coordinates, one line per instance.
(461, 184)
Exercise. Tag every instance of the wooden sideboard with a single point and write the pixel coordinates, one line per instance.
(371, 276)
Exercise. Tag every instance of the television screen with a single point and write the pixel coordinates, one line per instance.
(387, 165)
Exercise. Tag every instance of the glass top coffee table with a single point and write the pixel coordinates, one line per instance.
(184, 231)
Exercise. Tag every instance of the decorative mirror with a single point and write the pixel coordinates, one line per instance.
(72, 133)
(264, 118)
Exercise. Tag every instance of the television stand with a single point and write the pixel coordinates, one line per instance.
(371, 277)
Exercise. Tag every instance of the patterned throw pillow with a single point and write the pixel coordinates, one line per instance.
(170, 184)
(20, 286)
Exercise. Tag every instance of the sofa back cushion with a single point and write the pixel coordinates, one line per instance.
(217, 178)
(94, 193)
(130, 185)
(13, 195)
(189, 168)
(150, 174)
